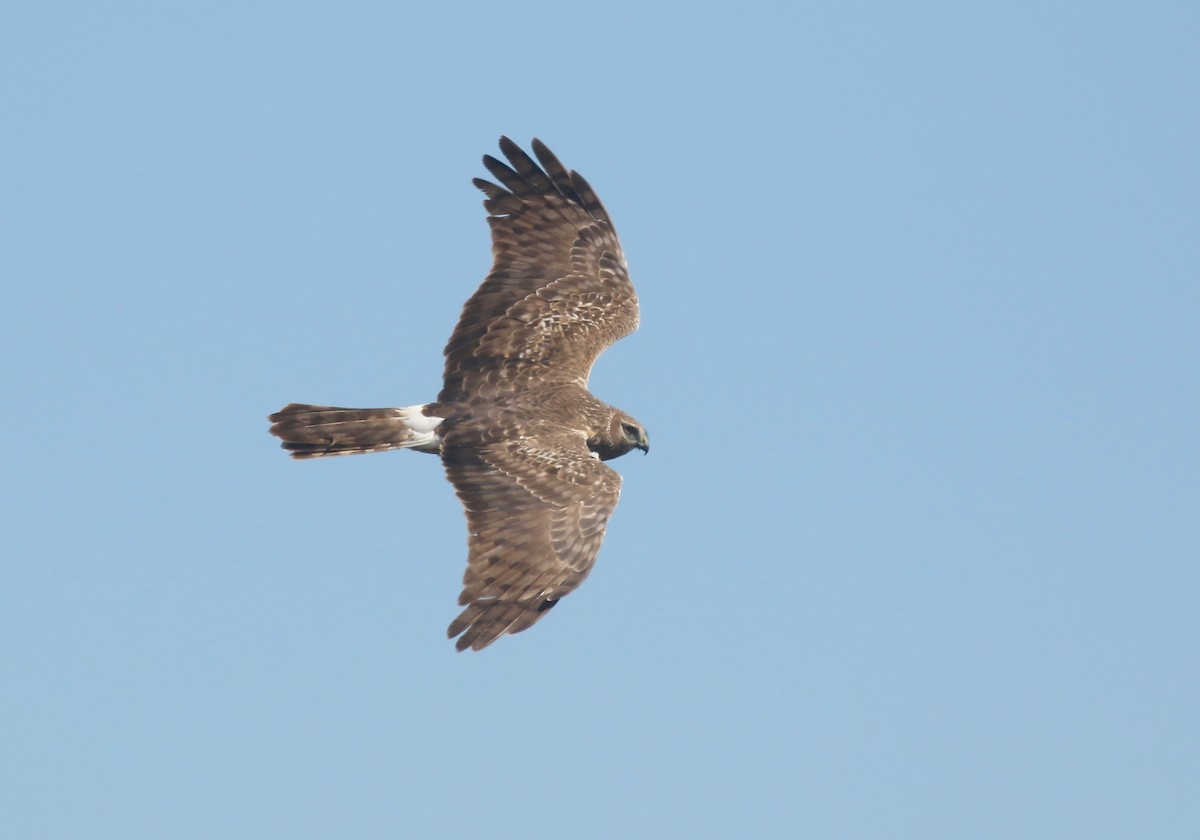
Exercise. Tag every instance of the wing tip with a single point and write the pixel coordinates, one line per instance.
(483, 622)
(523, 176)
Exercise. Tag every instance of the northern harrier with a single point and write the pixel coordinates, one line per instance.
(520, 437)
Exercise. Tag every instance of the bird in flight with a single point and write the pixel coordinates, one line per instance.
(521, 438)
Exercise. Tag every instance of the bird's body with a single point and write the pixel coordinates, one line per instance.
(520, 436)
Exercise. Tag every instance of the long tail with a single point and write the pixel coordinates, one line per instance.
(314, 431)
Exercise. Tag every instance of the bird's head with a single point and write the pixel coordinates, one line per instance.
(622, 435)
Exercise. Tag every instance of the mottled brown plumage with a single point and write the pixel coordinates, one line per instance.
(520, 437)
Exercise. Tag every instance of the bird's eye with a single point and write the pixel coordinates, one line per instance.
(630, 431)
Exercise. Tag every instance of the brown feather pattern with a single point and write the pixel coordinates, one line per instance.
(558, 293)
(521, 438)
(315, 431)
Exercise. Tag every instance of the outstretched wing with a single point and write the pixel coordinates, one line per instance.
(559, 291)
(537, 506)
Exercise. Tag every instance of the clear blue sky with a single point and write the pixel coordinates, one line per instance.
(915, 553)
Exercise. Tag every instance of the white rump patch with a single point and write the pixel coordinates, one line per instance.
(424, 428)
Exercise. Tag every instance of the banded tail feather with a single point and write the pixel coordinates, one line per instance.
(315, 431)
